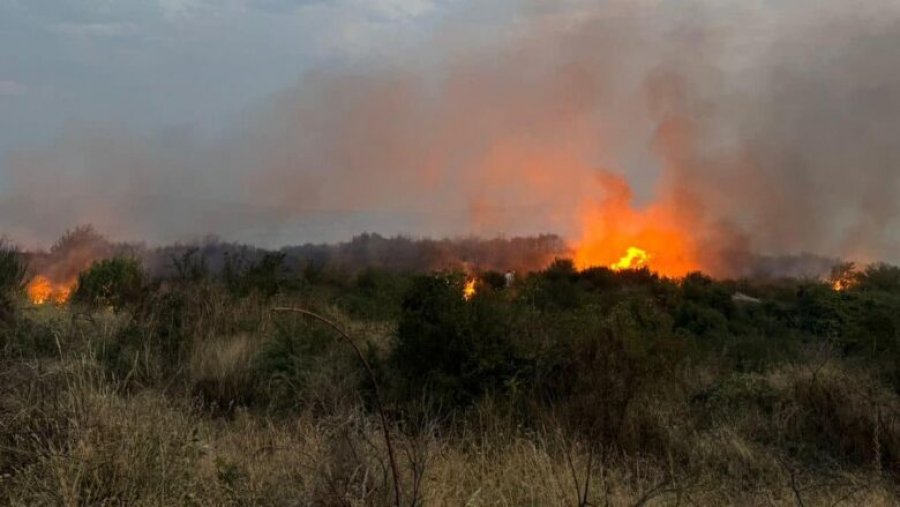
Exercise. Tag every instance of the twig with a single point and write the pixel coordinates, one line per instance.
(362, 359)
(652, 492)
(587, 476)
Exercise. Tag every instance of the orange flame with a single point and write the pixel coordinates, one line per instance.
(611, 226)
(842, 284)
(469, 289)
(41, 291)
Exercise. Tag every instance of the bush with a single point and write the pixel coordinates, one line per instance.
(602, 362)
(12, 280)
(455, 350)
(13, 269)
(304, 365)
(377, 294)
(116, 283)
(265, 277)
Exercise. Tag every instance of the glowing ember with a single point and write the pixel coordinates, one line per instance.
(634, 259)
(42, 291)
(469, 289)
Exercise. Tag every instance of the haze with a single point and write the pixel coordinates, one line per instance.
(765, 127)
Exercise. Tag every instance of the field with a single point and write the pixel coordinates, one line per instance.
(563, 387)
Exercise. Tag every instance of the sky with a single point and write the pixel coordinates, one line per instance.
(755, 125)
(158, 64)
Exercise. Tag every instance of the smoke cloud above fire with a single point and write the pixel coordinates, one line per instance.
(700, 131)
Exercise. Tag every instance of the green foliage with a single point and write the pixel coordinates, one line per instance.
(879, 277)
(13, 269)
(151, 347)
(304, 365)
(24, 338)
(602, 361)
(376, 294)
(116, 283)
(453, 349)
(556, 287)
(12, 280)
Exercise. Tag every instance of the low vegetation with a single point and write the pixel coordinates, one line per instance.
(565, 387)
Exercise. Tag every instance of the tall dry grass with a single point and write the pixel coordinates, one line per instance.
(72, 434)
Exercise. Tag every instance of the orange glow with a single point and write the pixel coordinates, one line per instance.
(42, 291)
(635, 258)
(611, 227)
(842, 284)
(469, 289)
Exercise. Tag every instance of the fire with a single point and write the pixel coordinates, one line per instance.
(469, 289)
(635, 258)
(611, 228)
(842, 284)
(844, 277)
(41, 291)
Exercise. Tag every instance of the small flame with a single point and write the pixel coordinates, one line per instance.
(42, 291)
(634, 258)
(469, 289)
(842, 284)
(844, 279)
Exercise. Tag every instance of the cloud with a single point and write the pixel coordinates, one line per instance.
(102, 30)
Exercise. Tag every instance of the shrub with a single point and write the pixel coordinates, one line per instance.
(377, 294)
(116, 283)
(150, 346)
(457, 350)
(879, 277)
(304, 365)
(12, 280)
(603, 361)
(265, 277)
(13, 269)
(556, 287)
(190, 266)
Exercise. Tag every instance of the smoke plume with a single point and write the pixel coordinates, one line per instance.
(737, 128)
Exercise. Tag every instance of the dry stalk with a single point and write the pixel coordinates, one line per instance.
(375, 386)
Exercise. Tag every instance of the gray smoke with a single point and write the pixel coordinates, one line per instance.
(767, 128)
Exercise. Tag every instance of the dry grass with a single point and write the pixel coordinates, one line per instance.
(71, 435)
(88, 445)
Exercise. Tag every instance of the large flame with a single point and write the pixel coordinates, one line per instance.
(41, 290)
(618, 236)
(635, 258)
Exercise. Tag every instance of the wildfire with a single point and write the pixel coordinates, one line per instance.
(469, 289)
(611, 226)
(41, 291)
(635, 258)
